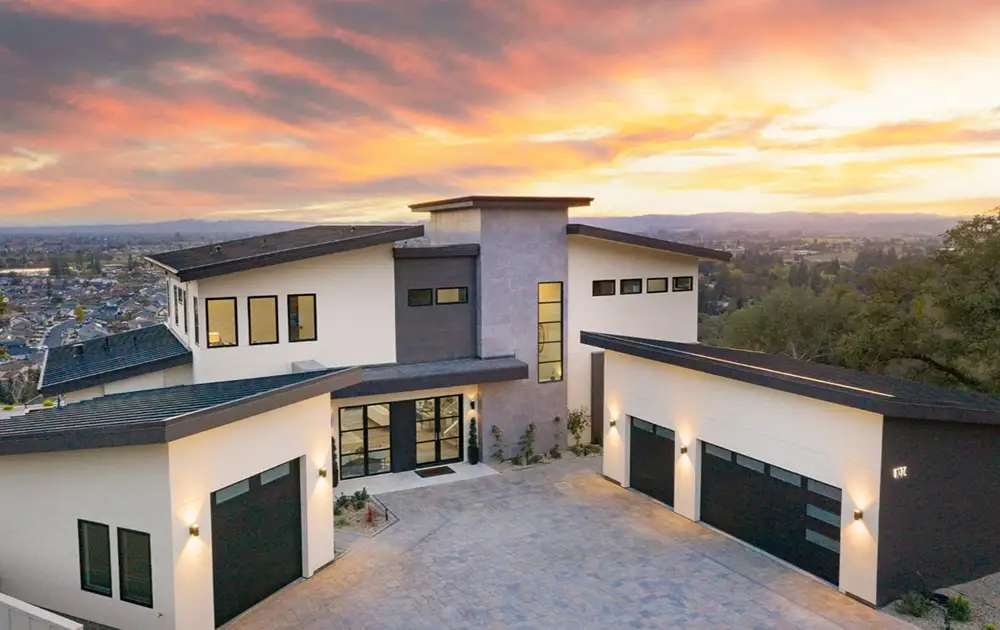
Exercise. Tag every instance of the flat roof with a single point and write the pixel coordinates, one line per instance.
(227, 257)
(72, 367)
(405, 377)
(639, 240)
(155, 416)
(877, 393)
(491, 202)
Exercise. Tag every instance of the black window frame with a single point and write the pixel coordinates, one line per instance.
(177, 305)
(277, 321)
(411, 292)
(236, 322)
(596, 283)
(463, 295)
(666, 285)
(676, 289)
(288, 305)
(80, 524)
(184, 303)
(562, 335)
(122, 589)
(194, 310)
(621, 286)
(366, 451)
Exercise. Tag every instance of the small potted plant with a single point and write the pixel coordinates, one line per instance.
(473, 442)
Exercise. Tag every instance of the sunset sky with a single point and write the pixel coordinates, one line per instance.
(146, 110)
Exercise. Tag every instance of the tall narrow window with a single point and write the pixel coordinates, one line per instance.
(220, 322)
(550, 344)
(262, 316)
(184, 305)
(302, 317)
(135, 568)
(194, 303)
(177, 305)
(95, 557)
(365, 448)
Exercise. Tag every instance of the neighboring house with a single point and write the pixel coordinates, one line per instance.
(875, 484)
(475, 315)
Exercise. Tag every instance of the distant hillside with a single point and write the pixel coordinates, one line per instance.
(809, 223)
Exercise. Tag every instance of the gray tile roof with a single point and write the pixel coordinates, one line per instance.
(111, 358)
(403, 377)
(627, 238)
(281, 247)
(878, 393)
(160, 415)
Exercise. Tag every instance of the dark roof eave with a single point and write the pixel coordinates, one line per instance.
(649, 242)
(381, 386)
(465, 250)
(110, 376)
(488, 202)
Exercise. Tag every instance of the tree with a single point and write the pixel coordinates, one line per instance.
(78, 312)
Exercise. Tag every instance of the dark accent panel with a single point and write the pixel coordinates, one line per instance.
(768, 513)
(432, 381)
(597, 397)
(403, 435)
(444, 251)
(439, 331)
(651, 460)
(938, 524)
(627, 238)
(256, 543)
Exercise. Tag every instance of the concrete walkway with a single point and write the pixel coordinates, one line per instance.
(555, 546)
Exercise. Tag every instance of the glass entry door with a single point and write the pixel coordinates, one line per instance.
(439, 430)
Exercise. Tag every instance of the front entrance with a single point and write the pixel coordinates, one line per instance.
(651, 460)
(782, 512)
(256, 539)
(439, 430)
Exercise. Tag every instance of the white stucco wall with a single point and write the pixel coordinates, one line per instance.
(668, 316)
(355, 310)
(41, 499)
(186, 336)
(177, 375)
(833, 444)
(203, 463)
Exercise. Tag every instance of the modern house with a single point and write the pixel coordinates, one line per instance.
(875, 484)
(291, 360)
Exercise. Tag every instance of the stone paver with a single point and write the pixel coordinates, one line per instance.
(555, 546)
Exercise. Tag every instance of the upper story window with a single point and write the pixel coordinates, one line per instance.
(420, 297)
(194, 303)
(177, 305)
(220, 322)
(550, 345)
(184, 305)
(656, 285)
(302, 317)
(135, 568)
(95, 557)
(631, 286)
(684, 283)
(604, 287)
(452, 295)
(262, 319)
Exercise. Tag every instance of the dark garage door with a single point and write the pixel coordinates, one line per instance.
(256, 539)
(651, 463)
(783, 513)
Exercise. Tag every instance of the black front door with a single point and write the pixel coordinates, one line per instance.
(256, 539)
(439, 430)
(779, 511)
(651, 462)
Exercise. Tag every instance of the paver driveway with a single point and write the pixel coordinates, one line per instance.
(555, 546)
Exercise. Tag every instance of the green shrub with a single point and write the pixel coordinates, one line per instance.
(591, 449)
(498, 446)
(8, 407)
(958, 608)
(516, 460)
(359, 499)
(343, 501)
(989, 625)
(914, 604)
(554, 452)
(534, 459)
(340, 522)
(49, 403)
(338, 509)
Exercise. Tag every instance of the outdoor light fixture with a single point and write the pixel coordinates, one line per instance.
(613, 422)
(684, 449)
(858, 514)
(322, 472)
(193, 529)
(472, 403)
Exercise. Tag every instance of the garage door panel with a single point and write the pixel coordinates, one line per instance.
(651, 460)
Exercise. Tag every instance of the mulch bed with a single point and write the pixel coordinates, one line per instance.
(357, 521)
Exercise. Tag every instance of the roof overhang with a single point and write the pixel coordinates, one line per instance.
(494, 202)
(465, 250)
(638, 240)
(395, 378)
(110, 376)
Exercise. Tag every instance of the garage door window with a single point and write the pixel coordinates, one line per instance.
(823, 515)
(642, 425)
(786, 475)
(823, 541)
(721, 453)
(275, 473)
(233, 491)
(825, 490)
(749, 462)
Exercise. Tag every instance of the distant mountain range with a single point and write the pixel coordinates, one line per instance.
(712, 223)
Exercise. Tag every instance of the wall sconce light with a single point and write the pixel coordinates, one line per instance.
(612, 423)
(194, 530)
(684, 449)
(858, 514)
(322, 472)
(472, 403)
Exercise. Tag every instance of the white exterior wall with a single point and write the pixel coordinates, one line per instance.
(833, 444)
(15, 614)
(177, 375)
(355, 311)
(186, 337)
(667, 316)
(206, 462)
(42, 497)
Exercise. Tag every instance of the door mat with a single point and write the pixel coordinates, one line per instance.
(435, 472)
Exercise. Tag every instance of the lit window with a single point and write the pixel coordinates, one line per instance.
(95, 557)
(604, 287)
(302, 317)
(453, 295)
(220, 321)
(631, 286)
(263, 319)
(419, 297)
(135, 568)
(656, 285)
(550, 345)
(684, 283)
